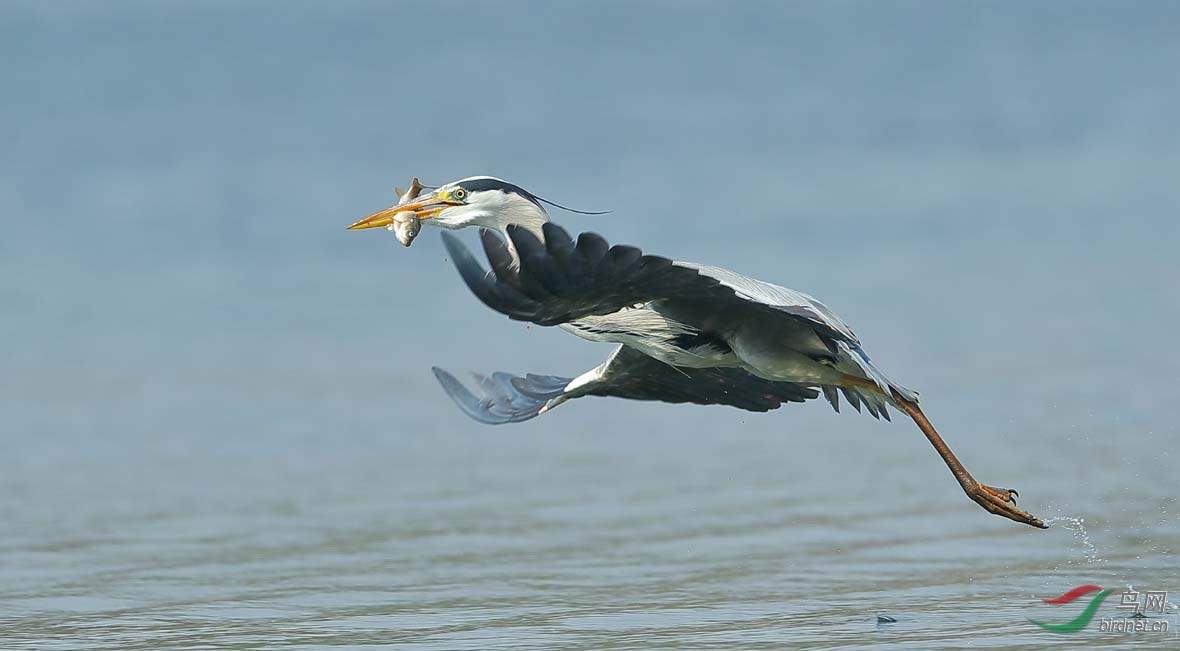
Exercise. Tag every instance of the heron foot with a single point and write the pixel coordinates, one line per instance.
(1001, 501)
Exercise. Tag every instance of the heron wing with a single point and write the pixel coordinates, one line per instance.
(560, 280)
(843, 343)
(502, 397)
(780, 298)
(631, 374)
(627, 373)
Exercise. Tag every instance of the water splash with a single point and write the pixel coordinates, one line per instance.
(1078, 527)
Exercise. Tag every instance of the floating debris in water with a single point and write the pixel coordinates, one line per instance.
(886, 619)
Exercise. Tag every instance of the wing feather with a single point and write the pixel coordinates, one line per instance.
(559, 280)
(783, 299)
(505, 398)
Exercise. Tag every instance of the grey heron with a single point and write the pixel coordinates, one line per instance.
(687, 332)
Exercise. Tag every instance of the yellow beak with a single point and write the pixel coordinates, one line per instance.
(425, 207)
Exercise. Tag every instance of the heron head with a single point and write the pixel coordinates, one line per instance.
(476, 201)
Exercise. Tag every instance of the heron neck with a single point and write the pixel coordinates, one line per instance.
(522, 214)
(532, 227)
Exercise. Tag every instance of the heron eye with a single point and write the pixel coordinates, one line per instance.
(459, 194)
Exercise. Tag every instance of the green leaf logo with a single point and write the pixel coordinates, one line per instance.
(1078, 623)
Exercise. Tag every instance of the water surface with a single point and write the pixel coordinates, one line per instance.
(220, 429)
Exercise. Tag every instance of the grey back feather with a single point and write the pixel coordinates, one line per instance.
(778, 297)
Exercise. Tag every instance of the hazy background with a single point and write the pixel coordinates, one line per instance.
(218, 427)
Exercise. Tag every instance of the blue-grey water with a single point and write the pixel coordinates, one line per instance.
(217, 420)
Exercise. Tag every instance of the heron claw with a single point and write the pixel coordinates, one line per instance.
(1002, 501)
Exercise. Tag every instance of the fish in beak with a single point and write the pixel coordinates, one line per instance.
(405, 218)
(405, 227)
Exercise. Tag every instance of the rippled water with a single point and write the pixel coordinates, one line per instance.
(220, 430)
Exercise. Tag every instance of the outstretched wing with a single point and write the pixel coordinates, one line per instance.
(779, 298)
(502, 397)
(505, 398)
(560, 280)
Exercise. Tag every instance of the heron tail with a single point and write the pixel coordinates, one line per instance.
(872, 388)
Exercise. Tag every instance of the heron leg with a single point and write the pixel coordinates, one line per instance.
(1000, 501)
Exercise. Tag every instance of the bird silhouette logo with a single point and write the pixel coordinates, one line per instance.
(1077, 623)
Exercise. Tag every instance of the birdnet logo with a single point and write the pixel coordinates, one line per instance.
(1136, 621)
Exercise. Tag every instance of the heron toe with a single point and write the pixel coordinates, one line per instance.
(1002, 501)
